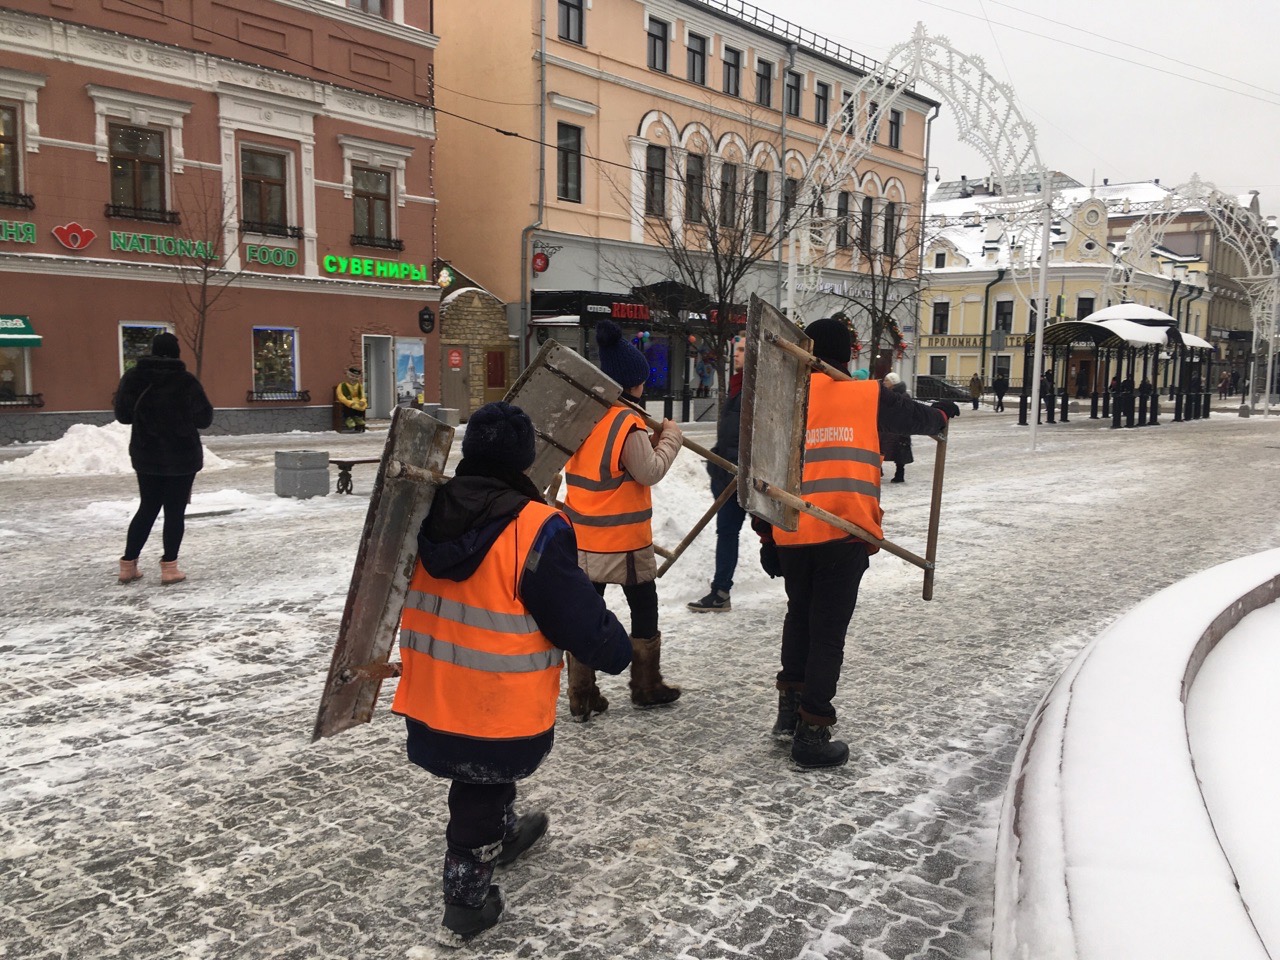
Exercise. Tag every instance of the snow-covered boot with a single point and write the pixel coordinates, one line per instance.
(521, 833)
(812, 745)
(788, 710)
(647, 688)
(169, 573)
(471, 903)
(585, 698)
(129, 571)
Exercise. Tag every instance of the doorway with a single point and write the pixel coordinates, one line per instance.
(379, 376)
(496, 364)
(455, 388)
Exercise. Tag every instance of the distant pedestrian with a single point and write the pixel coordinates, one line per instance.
(896, 447)
(1235, 382)
(1046, 393)
(1000, 386)
(167, 408)
(975, 389)
(1224, 384)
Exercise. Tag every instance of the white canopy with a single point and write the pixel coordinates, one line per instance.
(1129, 311)
(1137, 334)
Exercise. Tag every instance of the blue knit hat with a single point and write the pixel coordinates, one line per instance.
(619, 359)
(500, 434)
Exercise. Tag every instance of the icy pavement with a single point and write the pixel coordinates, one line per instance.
(159, 796)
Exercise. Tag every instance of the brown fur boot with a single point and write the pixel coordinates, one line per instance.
(647, 688)
(169, 573)
(129, 571)
(585, 698)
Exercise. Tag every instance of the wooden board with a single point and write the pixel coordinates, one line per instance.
(775, 406)
(408, 476)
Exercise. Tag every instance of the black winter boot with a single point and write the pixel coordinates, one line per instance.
(813, 747)
(788, 713)
(899, 475)
(461, 924)
(522, 833)
(471, 904)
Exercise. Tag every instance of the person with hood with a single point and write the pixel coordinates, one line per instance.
(495, 598)
(167, 408)
(896, 447)
(609, 500)
(821, 565)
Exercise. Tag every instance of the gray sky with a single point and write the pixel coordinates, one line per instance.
(1182, 104)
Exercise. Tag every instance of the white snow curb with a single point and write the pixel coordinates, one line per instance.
(1106, 848)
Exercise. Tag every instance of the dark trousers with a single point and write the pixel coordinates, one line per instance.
(729, 520)
(822, 589)
(642, 600)
(170, 494)
(478, 814)
(999, 402)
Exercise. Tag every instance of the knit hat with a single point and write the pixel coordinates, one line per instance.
(165, 345)
(860, 375)
(619, 359)
(891, 379)
(500, 434)
(831, 341)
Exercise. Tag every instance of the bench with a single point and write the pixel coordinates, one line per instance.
(344, 471)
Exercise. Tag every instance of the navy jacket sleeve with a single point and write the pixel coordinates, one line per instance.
(898, 413)
(126, 397)
(565, 605)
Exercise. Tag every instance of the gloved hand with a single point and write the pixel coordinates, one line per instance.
(769, 561)
(948, 407)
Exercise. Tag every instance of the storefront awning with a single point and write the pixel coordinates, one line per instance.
(16, 331)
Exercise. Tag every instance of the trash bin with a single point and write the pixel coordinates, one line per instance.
(302, 473)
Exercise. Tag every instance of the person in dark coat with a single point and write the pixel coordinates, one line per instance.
(896, 447)
(1000, 385)
(167, 408)
(730, 516)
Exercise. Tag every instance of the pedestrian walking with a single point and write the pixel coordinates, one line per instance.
(822, 566)
(896, 447)
(1224, 384)
(1000, 386)
(610, 502)
(730, 516)
(167, 408)
(1235, 382)
(1046, 393)
(975, 389)
(496, 596)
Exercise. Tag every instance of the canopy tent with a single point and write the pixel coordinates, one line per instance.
(1130, 311)
(16, 331)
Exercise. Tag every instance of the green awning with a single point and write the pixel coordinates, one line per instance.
(16, 331)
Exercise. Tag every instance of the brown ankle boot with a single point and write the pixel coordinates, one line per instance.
(584, 696)
(169, 573)
(129, 571)
(647, 688)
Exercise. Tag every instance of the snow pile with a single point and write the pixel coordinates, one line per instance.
(222, 502)
(88, 450)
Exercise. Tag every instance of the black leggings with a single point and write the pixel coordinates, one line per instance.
(169, 494)
(642, 599)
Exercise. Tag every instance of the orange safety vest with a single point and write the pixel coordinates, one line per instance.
(841, 460)
(611, 513)
(473, 661)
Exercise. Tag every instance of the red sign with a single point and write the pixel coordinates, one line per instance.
(73, 236)
(630, 311)
(455, 359)
(540, 262)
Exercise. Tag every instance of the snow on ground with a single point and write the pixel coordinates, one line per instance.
(160, 797)
(88, 450)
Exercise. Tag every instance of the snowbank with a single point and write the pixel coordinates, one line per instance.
(88, 450)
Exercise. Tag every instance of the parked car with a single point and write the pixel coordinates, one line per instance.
(935, 388)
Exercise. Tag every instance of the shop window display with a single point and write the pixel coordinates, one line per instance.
(274, 360)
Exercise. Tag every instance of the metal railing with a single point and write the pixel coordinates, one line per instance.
(23, 200)
(22, 400)
(118, 211)
(383, 243)
(286, 396)
(270, 229)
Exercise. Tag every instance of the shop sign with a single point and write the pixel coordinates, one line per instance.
(272, 256)
(73, 236)
(377, 269)
(455, 360)
(164, 246)
(17, 231)
(1013, 340)
(630, 311)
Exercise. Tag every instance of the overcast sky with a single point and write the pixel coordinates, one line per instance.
(1181, 104)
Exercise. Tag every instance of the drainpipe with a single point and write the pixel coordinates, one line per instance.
(525, 308)
(986, 320)
(782, 175)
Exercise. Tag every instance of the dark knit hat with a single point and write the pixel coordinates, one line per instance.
(165, 345)
(831, 340)
(619, 359)
(500, 434)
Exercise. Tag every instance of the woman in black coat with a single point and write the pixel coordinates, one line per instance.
(896, 446)
(167, 407)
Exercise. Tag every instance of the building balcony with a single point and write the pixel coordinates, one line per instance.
(117, 211)
(382, 243)
(23, 201)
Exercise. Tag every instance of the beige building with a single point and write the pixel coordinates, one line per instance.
(637, 112)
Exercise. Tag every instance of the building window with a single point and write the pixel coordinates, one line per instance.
(15, 377)
(378, 8)
(790, 187)
(842, 219)
(263, 198)
(729, 196)
(10, 195)
(571, 20)
(939, 260)
(941, 318)
(760, 202)
(821, 102)
(890, 228)
(275, 368)
(658, 32)
(864, 228)
(791, 94)
(764, 83)
(1004, 315)
(371, 203)
(135, 342)
(873, 122)
(695, 186)
(1084, 307)
(569, 162)
(895, 129)
(938, 366)
(655, 182)
(732, 72)
(137, 173)
(697, 56)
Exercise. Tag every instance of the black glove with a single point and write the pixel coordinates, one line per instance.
(769, 561)
(948, 407)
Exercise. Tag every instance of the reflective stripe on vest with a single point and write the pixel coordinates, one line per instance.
(841, 460)
(474, 662)
(611, 512)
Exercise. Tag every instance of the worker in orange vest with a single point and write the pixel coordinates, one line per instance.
(608, 498)
(822, 566)
(495, 597)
